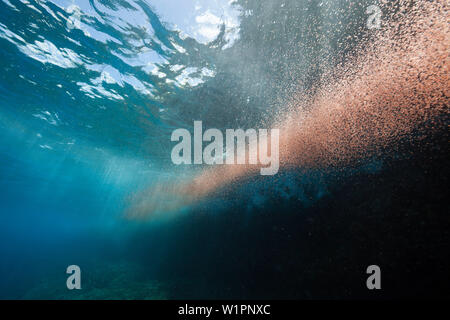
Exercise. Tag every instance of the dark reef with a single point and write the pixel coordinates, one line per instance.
(395, 217)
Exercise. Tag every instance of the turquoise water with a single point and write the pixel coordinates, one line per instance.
(90, 92)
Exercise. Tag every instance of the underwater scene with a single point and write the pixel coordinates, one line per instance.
(224, 149)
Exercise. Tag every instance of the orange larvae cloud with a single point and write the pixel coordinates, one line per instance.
(394, 85)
